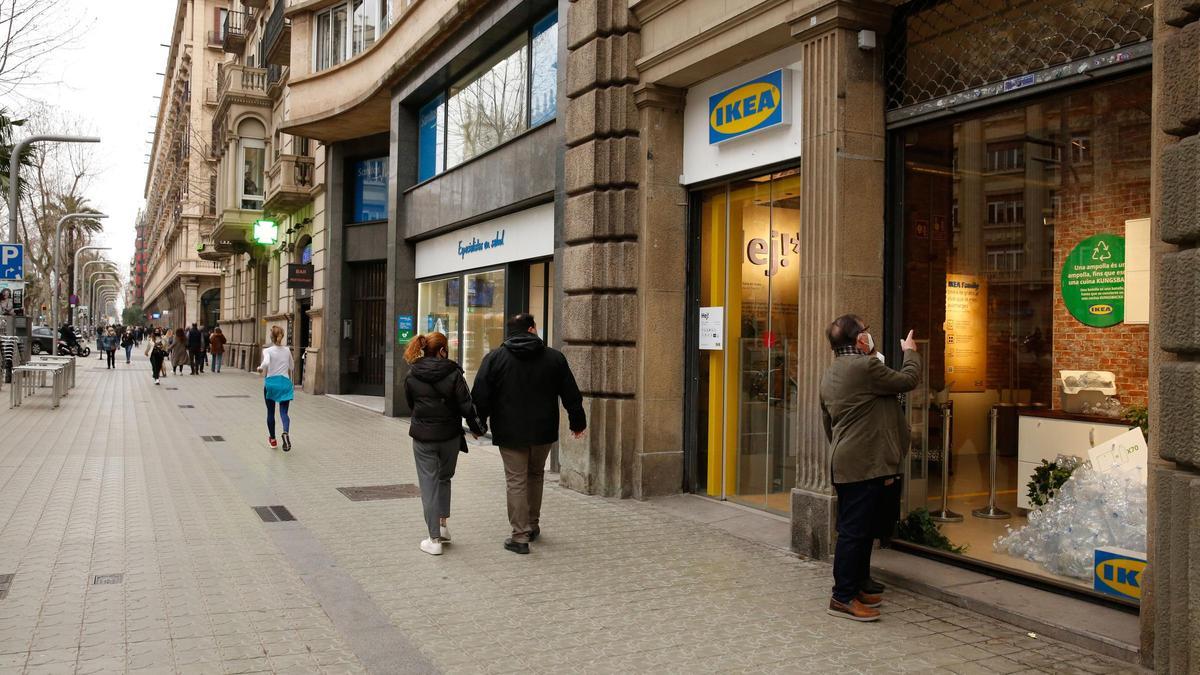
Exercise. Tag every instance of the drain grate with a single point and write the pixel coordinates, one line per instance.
(187, 406)
(232, 396)
(171, 388)
(213, 439)
(5, 584)
(107, 579)
(274, 514)
(369, 493)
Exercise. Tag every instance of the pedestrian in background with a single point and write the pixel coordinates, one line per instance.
(276, 367)
(108, 345)
(178, 351)
(127, 343)
(865, 427)
(157, 352)
(216, 343)
(205, 335)
(195, 342)
(437, 395)
(518, 387)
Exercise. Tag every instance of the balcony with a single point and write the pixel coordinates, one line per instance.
(278, 37)
(235, 32)
(257, 4)
(234, 227)
(241, 84)
(277, 76)
(289, 183)
(219, 250)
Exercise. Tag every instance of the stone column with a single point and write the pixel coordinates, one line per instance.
(402, 257)
(841, 230)
(600, 269)
(1171, 600)
(191, 300)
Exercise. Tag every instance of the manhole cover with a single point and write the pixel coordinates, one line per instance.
(187, 406)
(273, 514)
(105, 579)
(212, 439)
(369, 493)
(232, 396)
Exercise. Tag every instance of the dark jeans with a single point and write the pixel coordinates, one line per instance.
(128, 352)
(857, 525)
(112, 358)
(283, 415)
(195, 364)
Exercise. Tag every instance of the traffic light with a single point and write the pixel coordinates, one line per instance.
(266, 232)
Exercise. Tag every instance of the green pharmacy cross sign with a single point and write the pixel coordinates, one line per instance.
(266, 232)
(1093, 281)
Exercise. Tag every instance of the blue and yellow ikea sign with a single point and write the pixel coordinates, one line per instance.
(749, 107)
(1119, 572)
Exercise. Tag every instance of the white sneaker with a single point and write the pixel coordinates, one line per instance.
(445, 535)
(431, 547)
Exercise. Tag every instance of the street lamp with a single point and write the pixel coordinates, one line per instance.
(14, 168)
(83, 271)
(96, 284)
(58, 275)
(75, 278)
(105, 286)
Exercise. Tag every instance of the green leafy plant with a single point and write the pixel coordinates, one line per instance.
(1139, 415)
(919, 528)
(1047, 480)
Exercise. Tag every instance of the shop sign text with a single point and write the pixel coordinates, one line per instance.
(761, 252)
(749, 107)
(475, 245)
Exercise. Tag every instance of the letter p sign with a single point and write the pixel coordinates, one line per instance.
(12, 261)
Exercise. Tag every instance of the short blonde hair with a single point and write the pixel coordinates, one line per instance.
(277, 335)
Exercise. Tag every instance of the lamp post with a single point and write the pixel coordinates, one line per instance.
(83, 270)
(14, 168)
(75, 278)
(96, 284)
(102, 290)
(58, 274)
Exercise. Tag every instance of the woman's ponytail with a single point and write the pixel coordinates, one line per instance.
(415, 349)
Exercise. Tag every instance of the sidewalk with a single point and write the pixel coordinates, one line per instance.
(120, 481)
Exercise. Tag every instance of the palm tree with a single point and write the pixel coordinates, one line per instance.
(79, 231)
(8, 126)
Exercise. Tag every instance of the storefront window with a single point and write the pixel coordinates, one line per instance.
(1021, 232)
(750, 271)
(370, 190)
(506, 95)
(483, 320)
(438, 303)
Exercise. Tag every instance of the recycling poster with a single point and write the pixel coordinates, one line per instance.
(1093, 281)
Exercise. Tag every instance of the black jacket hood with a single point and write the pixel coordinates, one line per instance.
(524, 345)
(433, 370)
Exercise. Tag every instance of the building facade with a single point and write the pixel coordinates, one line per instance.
(179, 212)
(685, 193)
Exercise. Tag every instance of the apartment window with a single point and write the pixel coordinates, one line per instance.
(219, 33)
(349, 28)
(1007, 156)
(253, 161)
(1008, 259)
(369, 200)
(1081, 148)
(1006, 209)
(512, 91)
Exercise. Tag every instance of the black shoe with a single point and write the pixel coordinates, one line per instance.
(287, 442)
(872, 587)
(533, 534)
(516, 546)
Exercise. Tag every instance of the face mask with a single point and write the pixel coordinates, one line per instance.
(870, 343)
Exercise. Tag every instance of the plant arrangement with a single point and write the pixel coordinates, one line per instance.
(919, 528)
(1139, 415)
(1048, 479)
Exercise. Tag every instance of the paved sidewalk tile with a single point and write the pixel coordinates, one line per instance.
(120, 481)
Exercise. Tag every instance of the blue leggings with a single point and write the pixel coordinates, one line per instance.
(283, 415)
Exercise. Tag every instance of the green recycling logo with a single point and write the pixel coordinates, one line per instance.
(1101, 253)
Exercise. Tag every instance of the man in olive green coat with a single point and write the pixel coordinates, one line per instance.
(868, 436)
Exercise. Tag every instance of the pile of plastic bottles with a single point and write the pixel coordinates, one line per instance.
(1109, 407)
(1091, 510)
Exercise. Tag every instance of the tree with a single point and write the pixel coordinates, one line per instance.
(29, 31)
(8, 125)
(132, 316)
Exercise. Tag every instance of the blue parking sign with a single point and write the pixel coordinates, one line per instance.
(12, 261)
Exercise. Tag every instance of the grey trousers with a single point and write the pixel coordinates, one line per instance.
(436, 462)
(524, 475)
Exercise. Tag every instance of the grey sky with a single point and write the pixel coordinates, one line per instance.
(107, 80)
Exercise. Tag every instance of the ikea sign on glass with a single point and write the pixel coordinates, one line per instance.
(749, 107)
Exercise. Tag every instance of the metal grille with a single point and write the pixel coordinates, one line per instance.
(940, 47)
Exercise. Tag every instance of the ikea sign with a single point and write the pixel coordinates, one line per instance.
(1119, 572)
(749, 107)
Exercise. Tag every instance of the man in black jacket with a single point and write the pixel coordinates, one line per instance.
(194, 340)
(518, 387)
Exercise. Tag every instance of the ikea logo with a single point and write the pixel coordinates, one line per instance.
(749, 107)
(1101, 310)
(1119, 572)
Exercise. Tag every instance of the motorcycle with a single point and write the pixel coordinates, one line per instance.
(79, 349)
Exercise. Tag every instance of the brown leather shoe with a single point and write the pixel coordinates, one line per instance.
(855, 611)
(870, 599)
